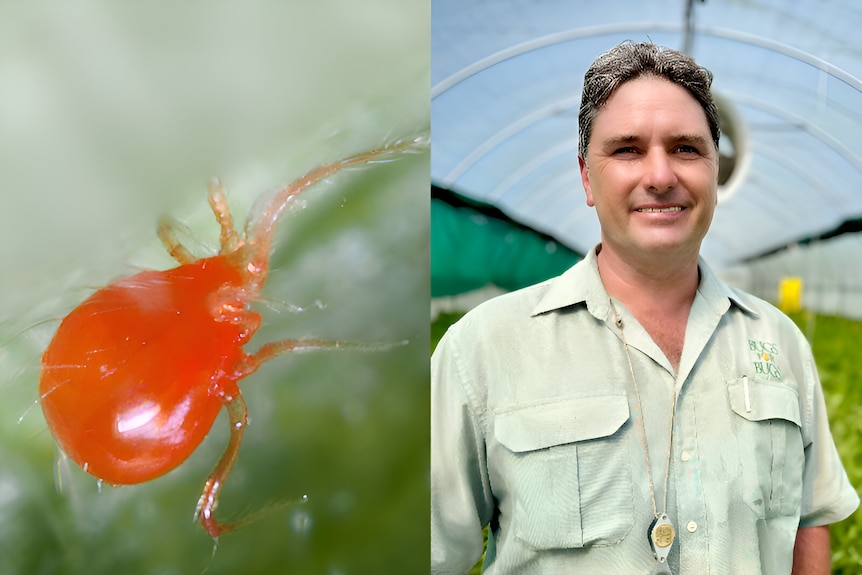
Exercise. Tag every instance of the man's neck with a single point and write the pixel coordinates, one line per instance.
(659, 285)
(659, 292)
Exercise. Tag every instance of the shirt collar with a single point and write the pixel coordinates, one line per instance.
(582, 284)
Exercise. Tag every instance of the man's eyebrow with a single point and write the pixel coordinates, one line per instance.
(691, 139)
(625, 139)
(620, 140)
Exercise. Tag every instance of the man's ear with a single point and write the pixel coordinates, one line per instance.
(585, 180)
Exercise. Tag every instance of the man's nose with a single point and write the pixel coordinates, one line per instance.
(659, 175)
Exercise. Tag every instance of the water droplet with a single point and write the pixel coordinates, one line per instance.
(9, 491)
(99, 485)
(300, 522)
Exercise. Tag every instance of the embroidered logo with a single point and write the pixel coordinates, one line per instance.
(765, 353)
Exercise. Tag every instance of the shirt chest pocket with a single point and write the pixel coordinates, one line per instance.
(769, 443)
(569, 471)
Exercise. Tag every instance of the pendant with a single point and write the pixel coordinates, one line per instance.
(661, 535)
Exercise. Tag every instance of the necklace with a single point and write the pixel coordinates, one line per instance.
(661, 532)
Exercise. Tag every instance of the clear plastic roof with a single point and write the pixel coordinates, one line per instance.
(506, 82)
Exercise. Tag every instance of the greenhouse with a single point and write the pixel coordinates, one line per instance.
(506, 81)
(508, 206)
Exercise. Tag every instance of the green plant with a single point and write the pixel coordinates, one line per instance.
(835, 344)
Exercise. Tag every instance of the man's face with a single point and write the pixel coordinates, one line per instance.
(651, 170)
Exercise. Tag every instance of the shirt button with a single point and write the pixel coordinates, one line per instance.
(686, 455)
(692, 526)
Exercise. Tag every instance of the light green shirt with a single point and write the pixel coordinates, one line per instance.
(535, 431)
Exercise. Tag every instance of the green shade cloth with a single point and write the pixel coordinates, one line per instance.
(471, 248)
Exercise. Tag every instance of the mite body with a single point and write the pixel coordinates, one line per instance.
(137, 373)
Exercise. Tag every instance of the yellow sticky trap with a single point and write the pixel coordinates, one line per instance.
(790, 294)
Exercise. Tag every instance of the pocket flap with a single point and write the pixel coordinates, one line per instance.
(764, 400)
(565, 421)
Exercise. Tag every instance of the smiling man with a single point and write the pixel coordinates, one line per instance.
(618, 419)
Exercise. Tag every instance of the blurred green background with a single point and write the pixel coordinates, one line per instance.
(112, 114)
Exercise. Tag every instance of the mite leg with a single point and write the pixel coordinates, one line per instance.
(167, 231)
(260, 228)
(238, 415)
(218, 202)
(276, 348)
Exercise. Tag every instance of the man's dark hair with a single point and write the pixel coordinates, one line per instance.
(631, 60)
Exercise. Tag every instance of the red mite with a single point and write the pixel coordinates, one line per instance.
(136, 374)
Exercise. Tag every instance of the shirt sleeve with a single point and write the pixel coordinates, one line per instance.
(461, 500)
(828, 496)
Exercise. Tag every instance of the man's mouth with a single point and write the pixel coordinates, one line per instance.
(659, 210)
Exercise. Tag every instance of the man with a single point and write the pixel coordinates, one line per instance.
(635, 415)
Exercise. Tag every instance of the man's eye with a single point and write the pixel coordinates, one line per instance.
(686, 149)
(625, 150)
